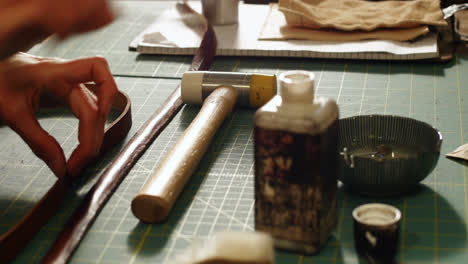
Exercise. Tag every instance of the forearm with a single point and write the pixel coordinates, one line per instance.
(19, 29)
(25, 22)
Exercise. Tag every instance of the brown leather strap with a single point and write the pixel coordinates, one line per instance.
(15, 239)
(85, 214)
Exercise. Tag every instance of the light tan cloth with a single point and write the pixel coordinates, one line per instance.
(404, 34)
(351, 15)
(276, 28)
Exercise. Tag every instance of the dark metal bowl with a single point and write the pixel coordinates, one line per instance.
(384, 155)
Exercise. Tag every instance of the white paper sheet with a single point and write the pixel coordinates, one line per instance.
(173, 34)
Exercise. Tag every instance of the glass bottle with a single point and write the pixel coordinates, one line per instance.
(296, 156)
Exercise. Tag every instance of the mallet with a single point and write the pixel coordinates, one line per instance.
(219, 92)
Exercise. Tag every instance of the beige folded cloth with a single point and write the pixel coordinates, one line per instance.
(361, 15)
(276, 28)
(403, 34)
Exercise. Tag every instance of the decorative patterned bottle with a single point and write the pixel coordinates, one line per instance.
(296, 165)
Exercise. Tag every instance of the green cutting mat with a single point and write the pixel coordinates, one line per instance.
(220, 195)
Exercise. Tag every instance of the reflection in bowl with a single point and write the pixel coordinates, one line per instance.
(386, 155)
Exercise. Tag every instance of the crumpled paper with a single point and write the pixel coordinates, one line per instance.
(460, 153)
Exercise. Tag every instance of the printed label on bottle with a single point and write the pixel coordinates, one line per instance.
(296, 185)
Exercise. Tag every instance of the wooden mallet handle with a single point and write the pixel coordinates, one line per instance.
(155, 200)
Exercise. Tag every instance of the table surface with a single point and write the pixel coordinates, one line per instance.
(220, 196)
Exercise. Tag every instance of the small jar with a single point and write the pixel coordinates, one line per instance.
(221, 12)
(296, 155)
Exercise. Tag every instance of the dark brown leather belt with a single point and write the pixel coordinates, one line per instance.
(15, 239)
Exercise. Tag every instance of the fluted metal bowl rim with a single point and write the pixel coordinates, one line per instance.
(434, 149)
(439, 142)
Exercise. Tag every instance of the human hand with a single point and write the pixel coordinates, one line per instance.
(24, 23)
(25, 78)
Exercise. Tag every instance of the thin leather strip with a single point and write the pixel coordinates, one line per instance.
(94, 201)
(15, 239)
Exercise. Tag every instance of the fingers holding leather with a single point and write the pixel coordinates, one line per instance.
(97, 70)
(91, 70)
(65, 79)
(71, 73)
(84, 70)
(90, 131)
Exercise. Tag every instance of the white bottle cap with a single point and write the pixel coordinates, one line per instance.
(297, 86)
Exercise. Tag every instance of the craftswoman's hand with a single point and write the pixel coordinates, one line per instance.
(23, 23)
(25, 78)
